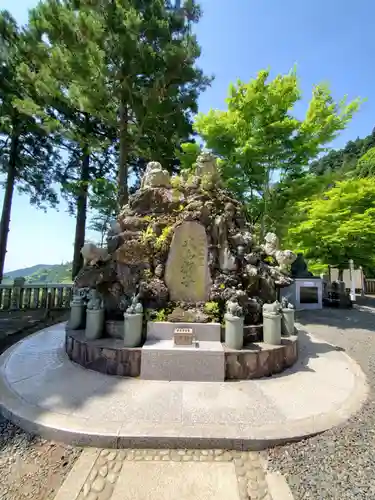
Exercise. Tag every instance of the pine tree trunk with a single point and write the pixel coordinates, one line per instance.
(122, 176)
(7, 203)
(80, 233)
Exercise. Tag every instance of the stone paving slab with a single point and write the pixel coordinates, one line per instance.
(151, 474)
(44, 392)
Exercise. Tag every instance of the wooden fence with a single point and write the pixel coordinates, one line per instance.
(35, 296)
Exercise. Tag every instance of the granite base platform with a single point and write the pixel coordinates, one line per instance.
(44, 393)
(110, 357)
(162, 360)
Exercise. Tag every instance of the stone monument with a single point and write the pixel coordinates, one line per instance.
(187, 274)
(183, 245)
(182, 253)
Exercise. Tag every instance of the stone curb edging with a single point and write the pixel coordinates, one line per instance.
(277, 486)
(80, 432)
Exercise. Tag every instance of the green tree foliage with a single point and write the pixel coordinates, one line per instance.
(337, 225)
(288, 192)
(187, 155)
(345, 158)
(258, 135)
(28, 158)
(366, 164)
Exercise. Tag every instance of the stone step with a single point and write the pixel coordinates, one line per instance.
(163, 330)
(162, 360)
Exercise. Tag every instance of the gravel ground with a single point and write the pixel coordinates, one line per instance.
(30, 467)
(338, 464)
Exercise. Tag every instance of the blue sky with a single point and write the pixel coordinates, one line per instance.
(330, 41)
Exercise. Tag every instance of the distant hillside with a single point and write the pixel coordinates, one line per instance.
(42, 273)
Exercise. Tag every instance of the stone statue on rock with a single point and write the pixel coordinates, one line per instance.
(155, 176)
(93, 254)
(284, 258)
(206, 164)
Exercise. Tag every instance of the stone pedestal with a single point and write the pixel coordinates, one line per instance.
(234, 331)
(163, 360)
(287, 322)
(133, 330)
(272, 329)
(77, 316)
(94, 324)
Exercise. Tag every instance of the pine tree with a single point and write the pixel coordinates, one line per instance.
(134, 69)
(56, 76)
(28, 157)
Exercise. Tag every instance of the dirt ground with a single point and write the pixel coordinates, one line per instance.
(30, 467)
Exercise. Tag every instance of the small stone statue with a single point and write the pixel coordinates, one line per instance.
(135, 307)
(95, 300)
(234, 309)
(285, 258)
(114, 228)
(114, 239)
(92, 254)
(155, 176)
(285, 304)
(159, 271)
(227, 260)
(206, 164)
(123, 303)
(271, 244)
(79, 296)
(272, 309)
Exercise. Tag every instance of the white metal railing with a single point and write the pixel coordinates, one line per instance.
(370, 286)
(35, 296)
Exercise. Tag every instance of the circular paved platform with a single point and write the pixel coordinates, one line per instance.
(44, 392)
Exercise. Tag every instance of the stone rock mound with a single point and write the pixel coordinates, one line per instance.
(183, 245)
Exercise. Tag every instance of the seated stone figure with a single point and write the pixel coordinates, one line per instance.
(92, 254)
(95, 300)
(284, 258)
(155, 176)
(271, 244)
(206, 164)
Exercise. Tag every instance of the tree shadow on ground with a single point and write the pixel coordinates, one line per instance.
(308, 348)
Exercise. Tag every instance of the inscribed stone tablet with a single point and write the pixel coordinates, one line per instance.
(187, 274)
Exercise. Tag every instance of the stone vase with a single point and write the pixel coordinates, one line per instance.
(234, 330)
(77, 316)
(133, 330)
(94, 324)
(287, 322)
(272, 328)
